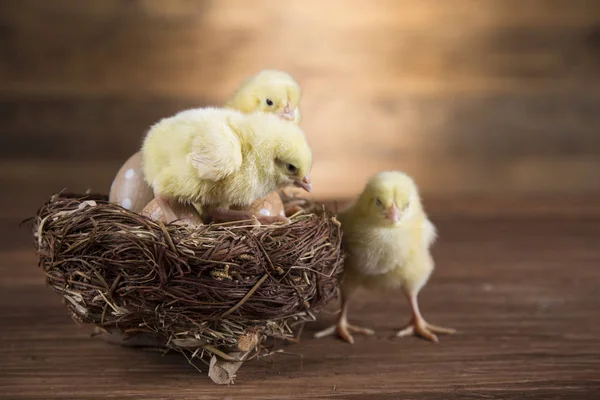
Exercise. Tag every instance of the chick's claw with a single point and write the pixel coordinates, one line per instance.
(344, 332)
(294, 206)
(425, 330)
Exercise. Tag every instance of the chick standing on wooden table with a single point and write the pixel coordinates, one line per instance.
(218, 158)
(387, 237)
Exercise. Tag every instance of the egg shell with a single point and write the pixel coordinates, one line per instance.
(270, 205)
(185, 213)
(129, 189)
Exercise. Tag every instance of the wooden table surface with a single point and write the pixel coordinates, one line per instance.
(519, 280)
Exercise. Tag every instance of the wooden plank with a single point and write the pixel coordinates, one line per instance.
(30, 182)
(499, 126)
(504, 101)
(490, 143)
(194, 48)
(90, 128)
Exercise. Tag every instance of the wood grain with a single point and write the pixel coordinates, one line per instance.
(468, 96)
(522, 291)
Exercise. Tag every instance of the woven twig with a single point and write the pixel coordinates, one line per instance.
(208, 289)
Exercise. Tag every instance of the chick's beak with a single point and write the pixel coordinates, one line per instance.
(303, 183)
(287, 112)
(393, 213)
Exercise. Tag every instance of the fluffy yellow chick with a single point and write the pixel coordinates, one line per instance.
(216, 158)
(387, 236)
(269, 91)
(272, 87)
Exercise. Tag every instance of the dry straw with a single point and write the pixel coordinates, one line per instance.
(217, 289)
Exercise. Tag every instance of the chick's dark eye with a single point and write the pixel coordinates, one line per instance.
(378, 202)
(269, 102)
(292, 169)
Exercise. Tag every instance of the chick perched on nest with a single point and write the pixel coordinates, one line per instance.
(218, 158)
(269, 91)
(387, 236)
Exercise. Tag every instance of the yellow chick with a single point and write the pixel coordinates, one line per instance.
(269, 91)
(216, 158)
(387, 236)
(280, 94)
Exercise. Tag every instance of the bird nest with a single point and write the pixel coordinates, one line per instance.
(217, 290)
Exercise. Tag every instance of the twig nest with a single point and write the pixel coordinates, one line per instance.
(207, 290)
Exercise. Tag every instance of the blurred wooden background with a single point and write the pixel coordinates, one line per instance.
(484, 102)
(470, 96)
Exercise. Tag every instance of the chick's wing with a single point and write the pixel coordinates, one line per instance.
(216, 153)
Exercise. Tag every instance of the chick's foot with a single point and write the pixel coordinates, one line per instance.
(344, 330)
(422, 328)
(294, 206)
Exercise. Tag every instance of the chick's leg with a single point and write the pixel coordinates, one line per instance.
(343, 329)
(418, 326)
